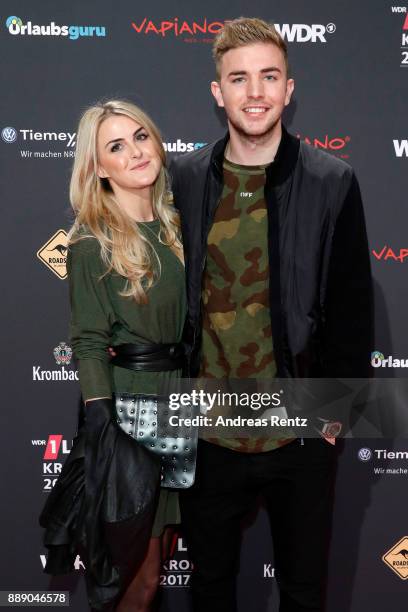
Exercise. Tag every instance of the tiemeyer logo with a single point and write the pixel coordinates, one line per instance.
(9, 135)
(29, 137)
(388, 254)
(397, 558)
(382, 454)
(176, 571)
(328, 142)
(56, 448)
(54, 254)
(16, 27)
(400, 148)
(62, 355)
(182, 147)
(378, 360)
(205, 30)
(365, 454)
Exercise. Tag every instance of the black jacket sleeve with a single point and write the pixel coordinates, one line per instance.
(348, 309)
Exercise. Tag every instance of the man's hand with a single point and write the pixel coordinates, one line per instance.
(111, 352)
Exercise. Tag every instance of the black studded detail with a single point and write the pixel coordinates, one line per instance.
(145, 418)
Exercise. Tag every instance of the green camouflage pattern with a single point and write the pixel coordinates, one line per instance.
(237, 338)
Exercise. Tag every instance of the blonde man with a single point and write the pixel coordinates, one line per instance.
(278, 283)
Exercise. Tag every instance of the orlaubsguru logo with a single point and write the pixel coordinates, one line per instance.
(16, 27)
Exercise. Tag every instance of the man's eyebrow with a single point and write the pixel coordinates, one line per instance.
(119, 139)
(243, 72)
(271, 69)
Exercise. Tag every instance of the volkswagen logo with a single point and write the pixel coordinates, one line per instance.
(365, 454)
(9, 134)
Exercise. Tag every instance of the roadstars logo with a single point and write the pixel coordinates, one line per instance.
(54, 254)
(397, 558)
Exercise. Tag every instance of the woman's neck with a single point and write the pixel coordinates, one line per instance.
(136, 204)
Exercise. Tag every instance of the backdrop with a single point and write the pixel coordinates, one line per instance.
(350, 63)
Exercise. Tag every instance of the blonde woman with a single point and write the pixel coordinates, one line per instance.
(127, 291)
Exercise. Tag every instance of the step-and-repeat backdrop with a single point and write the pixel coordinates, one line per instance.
(350, 63)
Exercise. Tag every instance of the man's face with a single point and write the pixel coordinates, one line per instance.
(253, 88)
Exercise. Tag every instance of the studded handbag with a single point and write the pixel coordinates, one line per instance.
(146, 419)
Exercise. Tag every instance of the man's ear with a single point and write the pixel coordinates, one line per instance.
(290, 86)
(216, 92)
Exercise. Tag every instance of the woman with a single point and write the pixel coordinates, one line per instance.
(127, 288)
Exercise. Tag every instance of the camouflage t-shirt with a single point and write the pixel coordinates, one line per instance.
(237, 339)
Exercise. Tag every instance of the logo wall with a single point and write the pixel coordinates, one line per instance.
(54, 254)
(390, 457)
(397, 558)
(386, 253)
(378, 360)
(56, 448)
(176, 570)
(400, 147)
(62, 355)
(204, 30)
(401, 11)
(337, 145)
(16, 27)
(29, 137)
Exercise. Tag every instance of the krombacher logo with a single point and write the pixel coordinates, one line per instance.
(54, 254)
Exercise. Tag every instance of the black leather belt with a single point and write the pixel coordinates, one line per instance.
(149, 357)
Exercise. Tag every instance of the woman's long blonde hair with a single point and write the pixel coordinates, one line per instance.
(124, 249)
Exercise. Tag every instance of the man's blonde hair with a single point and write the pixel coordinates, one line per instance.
(246, 31)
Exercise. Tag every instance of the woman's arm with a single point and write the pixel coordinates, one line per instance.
(92, 318)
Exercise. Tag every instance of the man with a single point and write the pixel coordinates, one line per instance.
(278, 282)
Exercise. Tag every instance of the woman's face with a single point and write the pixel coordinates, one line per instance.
(127, 155)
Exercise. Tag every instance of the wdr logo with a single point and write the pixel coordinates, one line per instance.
(401, 148)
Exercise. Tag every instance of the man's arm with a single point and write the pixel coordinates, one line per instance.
(348, 315)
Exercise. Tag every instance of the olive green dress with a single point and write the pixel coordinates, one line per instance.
(100, 318)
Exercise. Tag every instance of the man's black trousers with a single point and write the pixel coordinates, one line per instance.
(295, 481)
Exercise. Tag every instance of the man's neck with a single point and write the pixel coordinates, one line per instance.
(253, 150)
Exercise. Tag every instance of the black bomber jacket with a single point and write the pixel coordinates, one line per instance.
(320, 292)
